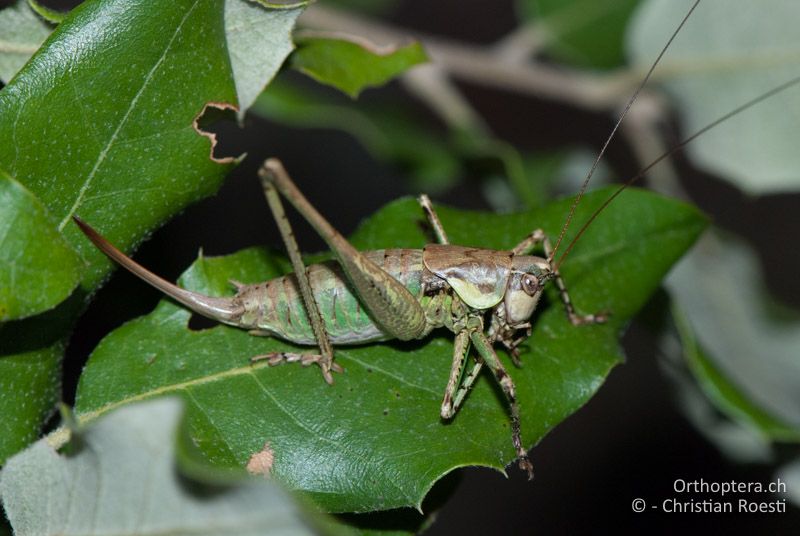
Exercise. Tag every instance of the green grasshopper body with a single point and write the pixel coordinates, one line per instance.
(387, 294)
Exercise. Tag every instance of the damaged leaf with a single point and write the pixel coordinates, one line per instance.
(107, 135)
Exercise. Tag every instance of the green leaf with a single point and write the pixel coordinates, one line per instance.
(720, 60)
(30, 372)
(100, 123)
(38, 269)
(258, 35)
(30, 383)
(21, 33)
(379, 425)
(391, 132)
(138, 76)
(587, 33)
(121, 480)
(742, 349)
(351, 64)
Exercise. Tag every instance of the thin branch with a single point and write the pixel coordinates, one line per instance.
(479, 65)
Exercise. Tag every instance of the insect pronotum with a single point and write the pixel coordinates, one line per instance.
(483, 296)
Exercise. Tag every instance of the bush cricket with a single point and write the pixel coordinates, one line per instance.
(483, 296)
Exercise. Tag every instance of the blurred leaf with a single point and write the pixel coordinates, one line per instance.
(21, 34)
(372, 7)
(744, 357)
(379, 425)
(587, 33)
(730, 51)
(38, 269)
(351, 64)
(258, 35)
(790, 473)
(392, 132)
(122, 480)
(50, 15)
(541, 172)
(725, 395)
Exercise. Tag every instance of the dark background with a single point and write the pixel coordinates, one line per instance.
(629, 441)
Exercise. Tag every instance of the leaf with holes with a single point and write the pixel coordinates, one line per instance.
(379, 426)
(101, 122)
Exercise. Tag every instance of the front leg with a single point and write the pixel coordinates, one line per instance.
(460, 351)
(487, 353)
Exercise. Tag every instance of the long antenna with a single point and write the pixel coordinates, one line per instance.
(774, 91)
(614, 131)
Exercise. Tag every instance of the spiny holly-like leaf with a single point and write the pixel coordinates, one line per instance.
(728, 53)
(351, 64)
(375, 440)
(121, 480)
(21, 34)
(38, 269)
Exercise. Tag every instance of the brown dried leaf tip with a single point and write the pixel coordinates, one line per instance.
(260, 463)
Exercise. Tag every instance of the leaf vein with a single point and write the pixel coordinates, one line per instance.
(104, 153)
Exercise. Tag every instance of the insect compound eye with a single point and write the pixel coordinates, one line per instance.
(530, 284)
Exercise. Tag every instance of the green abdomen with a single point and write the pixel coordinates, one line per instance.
(277, 306)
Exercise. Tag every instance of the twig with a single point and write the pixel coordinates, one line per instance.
(476, 64)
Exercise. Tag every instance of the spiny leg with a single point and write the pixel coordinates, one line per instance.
(276, 358)
(325, 357)
(484, 348)
(393, 307)
(456, 392)
(460, 351)
(525, 247)
(433, 219)
(466, 385)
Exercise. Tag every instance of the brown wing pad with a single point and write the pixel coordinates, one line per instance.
(479, 276)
